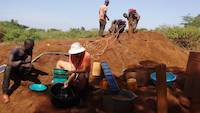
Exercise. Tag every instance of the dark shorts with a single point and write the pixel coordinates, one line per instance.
(102, 24)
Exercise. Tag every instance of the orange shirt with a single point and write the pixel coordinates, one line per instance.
(102, 12)
(86, 61)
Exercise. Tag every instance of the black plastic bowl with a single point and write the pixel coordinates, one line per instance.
(63, 97)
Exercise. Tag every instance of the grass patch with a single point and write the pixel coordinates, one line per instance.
(12, 31)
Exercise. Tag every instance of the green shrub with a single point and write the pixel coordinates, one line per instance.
(187, 37)
(15, 32)
(2, 33)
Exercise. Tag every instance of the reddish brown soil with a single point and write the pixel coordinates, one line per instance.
(141, 49)
(131, 50)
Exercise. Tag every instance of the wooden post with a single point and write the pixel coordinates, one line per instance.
(161, 88)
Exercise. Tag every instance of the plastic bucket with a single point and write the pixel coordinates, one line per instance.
(59, 76)
(170, 78)
(142, 77)
(63, 97)
(59, 72)
(96, 69)
(104, 84)
(132, 84)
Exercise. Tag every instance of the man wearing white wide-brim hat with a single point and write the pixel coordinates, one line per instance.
(78, 66)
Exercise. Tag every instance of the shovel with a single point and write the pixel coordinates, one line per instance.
(3, 68)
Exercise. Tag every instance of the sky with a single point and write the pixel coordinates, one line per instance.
(65, 14)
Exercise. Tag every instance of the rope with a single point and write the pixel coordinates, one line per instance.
(95, 45)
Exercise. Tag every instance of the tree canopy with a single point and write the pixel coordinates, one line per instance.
(191, 21)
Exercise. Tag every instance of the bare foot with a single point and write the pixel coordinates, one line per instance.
(5, 98)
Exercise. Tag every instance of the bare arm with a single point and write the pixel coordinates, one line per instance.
(83, 70)
(13, 63)
(106, 16)
(17, 63)
(138, 16)
(27, 62)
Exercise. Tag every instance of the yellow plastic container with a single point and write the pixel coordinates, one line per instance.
(96, 70)
(132, 84)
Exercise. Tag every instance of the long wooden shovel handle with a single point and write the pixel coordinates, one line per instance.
(48, 53)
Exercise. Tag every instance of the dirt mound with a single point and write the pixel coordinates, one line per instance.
(128, 51)
(138, 49)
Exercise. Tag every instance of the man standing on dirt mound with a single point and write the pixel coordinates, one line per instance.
(133, 18)
(103, 17)
(78, 67)
(19, 68)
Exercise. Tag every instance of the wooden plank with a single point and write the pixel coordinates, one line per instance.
(161, 88)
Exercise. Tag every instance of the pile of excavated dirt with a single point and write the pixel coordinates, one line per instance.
(126, 52)
(140, 48)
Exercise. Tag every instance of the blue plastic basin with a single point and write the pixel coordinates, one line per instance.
(170, 77)
(37, 87)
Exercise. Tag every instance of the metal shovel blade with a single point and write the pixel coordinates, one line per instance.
(2, 68)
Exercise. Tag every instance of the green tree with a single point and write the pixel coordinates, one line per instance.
(191, 21)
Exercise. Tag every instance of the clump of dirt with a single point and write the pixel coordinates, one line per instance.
(138, 49)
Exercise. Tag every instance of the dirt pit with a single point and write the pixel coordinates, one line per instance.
(140, 51)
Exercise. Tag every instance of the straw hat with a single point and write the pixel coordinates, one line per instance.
(76, 48)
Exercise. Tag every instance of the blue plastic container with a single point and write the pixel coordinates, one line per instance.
(109, 76)
(59, 76)
(38, 87)
(170, 78)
